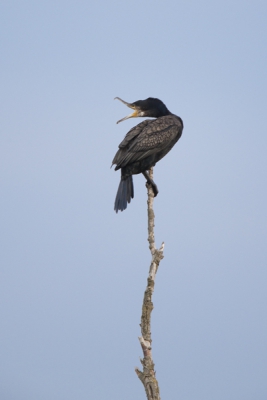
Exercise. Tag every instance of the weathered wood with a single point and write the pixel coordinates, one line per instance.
(148, 375)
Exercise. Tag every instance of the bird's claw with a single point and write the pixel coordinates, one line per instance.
(153, 187)
(155, 190)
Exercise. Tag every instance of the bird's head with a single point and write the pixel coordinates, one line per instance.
(150, 107)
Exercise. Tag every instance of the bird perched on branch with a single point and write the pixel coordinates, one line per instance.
(144, 145)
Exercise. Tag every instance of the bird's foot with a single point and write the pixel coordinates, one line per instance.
(153, 187)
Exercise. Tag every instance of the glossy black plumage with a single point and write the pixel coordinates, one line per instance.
(144, 145)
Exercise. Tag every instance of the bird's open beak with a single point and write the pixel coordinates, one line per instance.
(136, 112)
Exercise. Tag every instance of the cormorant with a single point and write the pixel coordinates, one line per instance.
(144, 145)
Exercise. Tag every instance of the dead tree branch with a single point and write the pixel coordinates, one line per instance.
(148, 375)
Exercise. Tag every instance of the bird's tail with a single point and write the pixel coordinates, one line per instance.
(124, 194)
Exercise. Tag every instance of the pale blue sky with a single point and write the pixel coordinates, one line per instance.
(73, 272)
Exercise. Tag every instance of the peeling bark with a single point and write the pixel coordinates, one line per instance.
(148, 375)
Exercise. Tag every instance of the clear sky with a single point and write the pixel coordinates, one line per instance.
(73, 272)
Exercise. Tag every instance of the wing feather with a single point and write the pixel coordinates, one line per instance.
(147, 138)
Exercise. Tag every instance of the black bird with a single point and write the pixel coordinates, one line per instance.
(144, 145)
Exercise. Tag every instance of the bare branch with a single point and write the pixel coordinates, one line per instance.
(148, 375)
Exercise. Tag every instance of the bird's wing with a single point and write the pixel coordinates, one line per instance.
(126, 143)
(135, 131)
(157, 136)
